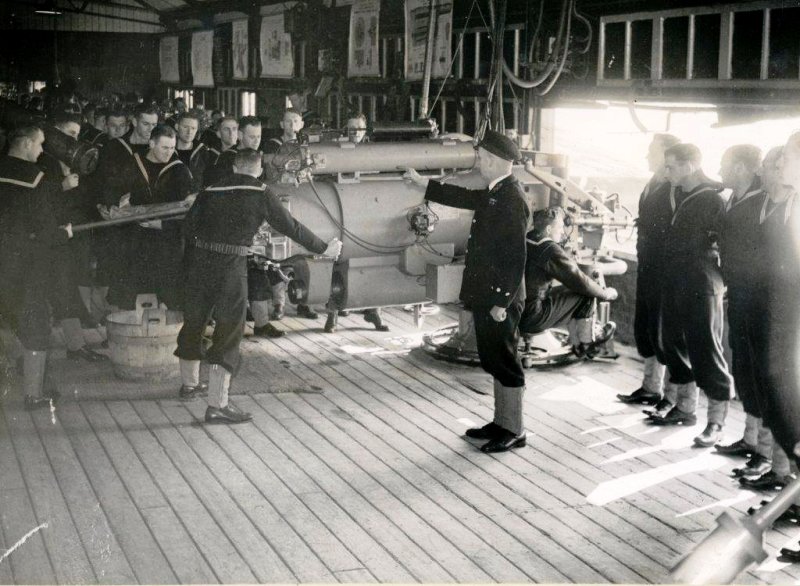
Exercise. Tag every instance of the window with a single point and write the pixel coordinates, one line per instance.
(248, 103)
(187, 95)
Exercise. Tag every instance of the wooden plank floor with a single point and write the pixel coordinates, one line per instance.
(355, 470)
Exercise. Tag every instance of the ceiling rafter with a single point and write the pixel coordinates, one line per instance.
(147, 6)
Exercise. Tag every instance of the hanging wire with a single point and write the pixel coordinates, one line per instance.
(453, 60)
(557, 74)
(561, 43)
(365, 244)
(589, 33)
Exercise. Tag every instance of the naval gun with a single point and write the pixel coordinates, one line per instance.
(399, 250)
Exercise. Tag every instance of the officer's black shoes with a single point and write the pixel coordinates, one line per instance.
(86, 354)
(640, 396)
(277, 312)
(373, 318)
(50, 396)
(306, 312)
(675, 417)
(737, 448)
(711, 436)
(343, 313)
(504, 442)
(187, 393)
(330, 323)
(661, 408)
(228, 414)
(487, 432)
(768, 481)
(755, 466)
(268, 331)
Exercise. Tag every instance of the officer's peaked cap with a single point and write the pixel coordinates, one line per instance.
(500, 145)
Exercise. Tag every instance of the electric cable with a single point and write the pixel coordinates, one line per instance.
(365, 244)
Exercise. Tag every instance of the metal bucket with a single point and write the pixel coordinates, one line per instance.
(142, 341)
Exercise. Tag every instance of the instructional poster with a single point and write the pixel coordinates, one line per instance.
(202, 51)
(363, 53)
(239, 49)
(417, 19)
(168, 59)
(277, 59)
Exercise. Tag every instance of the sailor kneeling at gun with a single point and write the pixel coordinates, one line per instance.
(571, 306)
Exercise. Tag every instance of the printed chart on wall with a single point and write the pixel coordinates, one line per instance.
(239, 49)
(363, 56)
(202, 48)
(276, 48)
(417, 19)
(168, 59)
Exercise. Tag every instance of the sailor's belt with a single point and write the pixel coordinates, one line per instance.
(222, 247)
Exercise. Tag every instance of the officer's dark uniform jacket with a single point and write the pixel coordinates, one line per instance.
(495, 259)
(219, 230)
(494, 271)
(691, 254)
(28, 233)
(197, 160)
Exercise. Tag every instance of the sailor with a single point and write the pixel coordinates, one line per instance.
(738, 251)
(655, 214)
(571, 305)
(193, 153)
(28, 234)
(692, 297)
(219, 228)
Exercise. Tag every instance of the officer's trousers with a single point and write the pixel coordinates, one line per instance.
(498, 342)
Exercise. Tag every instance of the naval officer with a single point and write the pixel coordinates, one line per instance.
(492, 284)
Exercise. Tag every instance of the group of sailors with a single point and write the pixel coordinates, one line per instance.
(145, 157)
(697, 248)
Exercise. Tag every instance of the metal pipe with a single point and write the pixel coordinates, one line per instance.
(348, 157)
(426, 78)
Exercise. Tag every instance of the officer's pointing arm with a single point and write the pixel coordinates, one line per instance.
(445, 194)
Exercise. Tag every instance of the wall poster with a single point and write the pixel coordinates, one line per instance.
(168, 59)
(417, 19)
(239, 49)
(202, 51)
(363, 53)
(277, 59)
